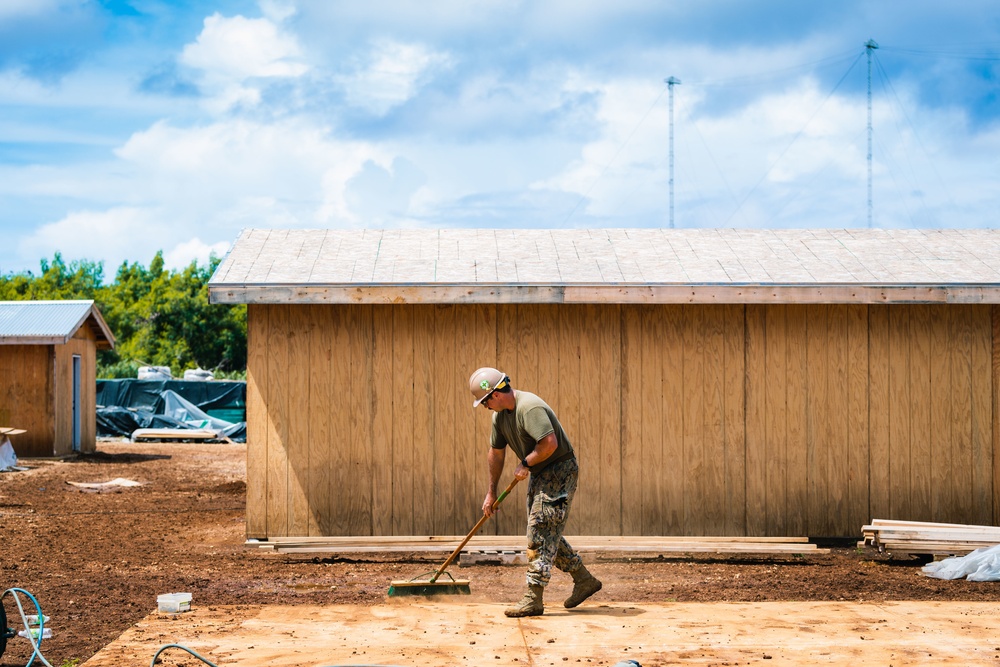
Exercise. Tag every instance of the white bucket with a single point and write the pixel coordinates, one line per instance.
(173, 603)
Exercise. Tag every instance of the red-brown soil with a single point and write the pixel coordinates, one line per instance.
(96, 561)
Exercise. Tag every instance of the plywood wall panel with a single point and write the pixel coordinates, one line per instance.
(756, 420)
(323, 401)
(276, 400)
(858, 444)
(995, 404)
(921, 454)
(258, 424)
(734, 429)
(27, 397)
(982, 415)
(398, 391)
(878, 411)
(688, 419)
(302, 331)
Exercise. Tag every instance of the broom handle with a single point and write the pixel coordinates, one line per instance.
(482, 520)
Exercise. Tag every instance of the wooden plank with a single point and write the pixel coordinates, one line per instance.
(804, 366)
(982, 481)
(921, 453)
(381, 411)
(638, 293)
(401, 384)
(479, 540)
(879, 403)
(363, 442)
(899, 413)
(257, 421)
(962, 400)
(662, 497)
(341, 424)
(713, 452)
(301, 329)
(734, 422)
(445, 380)
(322, 438)
(609, 354)
(276, 400)
(859, 473)
(756, 421)
(943, 488)
(694, 468)
(995, 376)
(776, 416)
(735, 549)
(423, 507)
(633, 464)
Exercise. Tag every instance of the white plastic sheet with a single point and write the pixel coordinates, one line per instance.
(980, 565)
(8, 459)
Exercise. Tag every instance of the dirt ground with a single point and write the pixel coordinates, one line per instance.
(96, 560)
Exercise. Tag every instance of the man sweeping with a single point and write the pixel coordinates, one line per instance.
(526, 424)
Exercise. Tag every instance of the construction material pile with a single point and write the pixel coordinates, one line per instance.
(922, 538)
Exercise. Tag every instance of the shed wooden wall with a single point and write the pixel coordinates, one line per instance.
(688, 420)
(26, 390)
(36, 394)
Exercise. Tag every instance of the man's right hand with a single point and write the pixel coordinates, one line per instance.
(488, 504)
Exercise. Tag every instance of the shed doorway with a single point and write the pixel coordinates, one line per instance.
(76, 403)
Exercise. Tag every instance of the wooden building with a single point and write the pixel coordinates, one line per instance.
(713, 382)
(48, 363)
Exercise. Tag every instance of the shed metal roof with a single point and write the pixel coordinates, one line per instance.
(50, 322)
(610, 266)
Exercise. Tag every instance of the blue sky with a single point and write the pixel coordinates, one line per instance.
(132, 126)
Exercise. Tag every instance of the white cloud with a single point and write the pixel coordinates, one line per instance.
(115, 235)
(391, 74)
(239, 48)
(194, 249)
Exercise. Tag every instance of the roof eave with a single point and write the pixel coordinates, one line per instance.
(621, 293)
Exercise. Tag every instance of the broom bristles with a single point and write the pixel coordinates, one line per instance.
(415, 587)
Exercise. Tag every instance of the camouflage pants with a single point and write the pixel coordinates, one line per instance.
(550, 494)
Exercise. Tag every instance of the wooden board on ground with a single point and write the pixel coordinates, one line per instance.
(463, 631)
(516, 544)
(175, 434)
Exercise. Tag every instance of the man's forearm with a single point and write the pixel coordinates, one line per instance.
(495, 461)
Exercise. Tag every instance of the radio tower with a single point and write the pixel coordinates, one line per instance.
(870, 46)
(671, 82)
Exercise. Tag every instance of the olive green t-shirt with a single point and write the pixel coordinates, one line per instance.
(530, 421)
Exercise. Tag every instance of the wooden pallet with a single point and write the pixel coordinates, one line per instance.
(924, 538)
(511, 547)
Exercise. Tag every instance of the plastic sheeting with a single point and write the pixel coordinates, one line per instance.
(980, 565)
(148, 394)
(127, 405)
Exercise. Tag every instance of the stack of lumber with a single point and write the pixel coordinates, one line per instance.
(935, 539)
(493, 544)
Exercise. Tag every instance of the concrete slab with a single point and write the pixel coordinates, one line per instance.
(421, 633)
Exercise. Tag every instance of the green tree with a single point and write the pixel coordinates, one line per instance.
(158, 317)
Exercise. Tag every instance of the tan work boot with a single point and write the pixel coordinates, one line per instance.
(584, 585)
(529, 605)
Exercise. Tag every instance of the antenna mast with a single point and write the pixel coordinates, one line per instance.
(671, 82)
(870, 46)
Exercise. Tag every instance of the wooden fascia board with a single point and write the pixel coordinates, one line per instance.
(414, 293)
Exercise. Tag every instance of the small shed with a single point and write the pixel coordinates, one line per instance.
(48, 364)
(729, 382)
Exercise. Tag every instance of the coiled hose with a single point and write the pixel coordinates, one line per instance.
(36, 642)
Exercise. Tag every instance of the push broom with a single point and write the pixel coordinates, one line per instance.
(450, 586)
